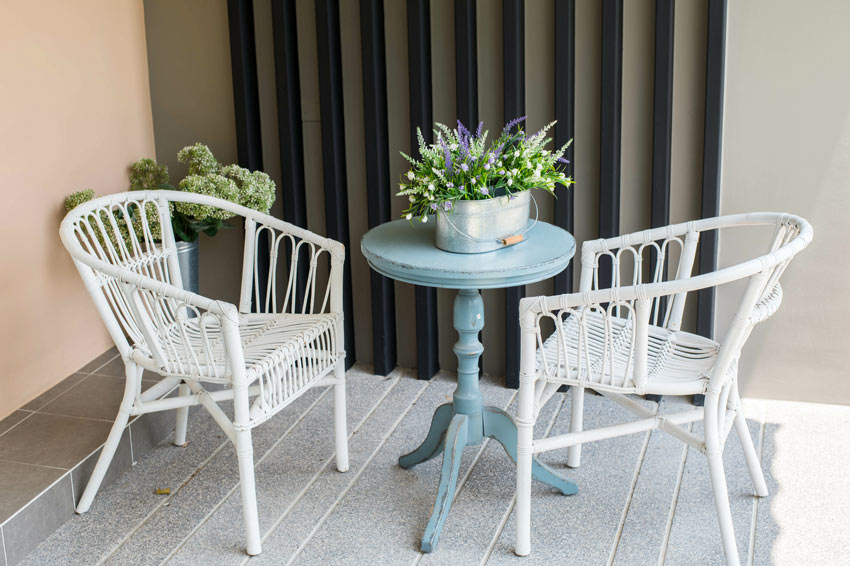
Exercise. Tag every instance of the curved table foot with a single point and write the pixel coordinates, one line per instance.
(433, 443)
(455, 441)
(500, 426)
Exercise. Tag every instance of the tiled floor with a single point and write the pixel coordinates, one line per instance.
(49, 446)
(643, 499)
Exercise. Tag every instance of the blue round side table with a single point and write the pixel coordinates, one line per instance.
(406, 252)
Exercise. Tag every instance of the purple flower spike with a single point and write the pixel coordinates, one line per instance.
(515, 122)
(461, 129)
(447, 205)
(485, 191)
(448, 156)
(480, 129)
(464, 166)
(562, 160)
(433, 206)
(461, 188)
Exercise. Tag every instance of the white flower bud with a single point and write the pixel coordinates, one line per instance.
(410, 175)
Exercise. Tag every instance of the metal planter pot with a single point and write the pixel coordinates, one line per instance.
(187, 256)
(475, 226)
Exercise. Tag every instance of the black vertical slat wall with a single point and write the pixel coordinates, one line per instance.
(422, 117)
(246, 102)
(288, 83)
(662, 113)
(565, 77)
(466, 63)
(715, 74)
(377, 174)
(610, 126)
(662, 124)
(466, 74)
(513, 49)
(377, 151)
(290, 133)
(333, 148)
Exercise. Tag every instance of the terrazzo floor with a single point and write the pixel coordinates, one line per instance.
(643, 499)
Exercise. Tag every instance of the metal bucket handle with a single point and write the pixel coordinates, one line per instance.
(473, 238)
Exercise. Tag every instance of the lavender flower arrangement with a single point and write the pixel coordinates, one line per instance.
(460, 165)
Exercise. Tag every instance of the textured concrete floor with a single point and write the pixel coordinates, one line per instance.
(642, 499)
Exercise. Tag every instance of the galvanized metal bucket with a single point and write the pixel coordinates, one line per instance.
(187, 257)
(476, 226)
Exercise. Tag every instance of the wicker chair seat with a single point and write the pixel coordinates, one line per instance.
(675, 358)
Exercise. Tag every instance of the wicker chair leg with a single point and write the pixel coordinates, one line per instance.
(182, 418)
(576, 419)
(525, 439)
(752, 456)
(245, 456)
(340, 426)
(721, 502)
(114, 438)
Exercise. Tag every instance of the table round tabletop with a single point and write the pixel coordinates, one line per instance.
(405, 251)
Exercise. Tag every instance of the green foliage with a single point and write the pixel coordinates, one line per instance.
(123, 222)
(199, 158)
(252, 189)
(147, 175)
(256, 189)
(75, 199)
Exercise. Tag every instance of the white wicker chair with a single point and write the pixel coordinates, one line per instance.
(294, 343)
(627, 339)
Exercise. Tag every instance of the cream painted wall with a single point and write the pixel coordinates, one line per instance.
(75, 111)
(787, 148)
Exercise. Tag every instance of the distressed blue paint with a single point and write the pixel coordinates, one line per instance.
(499, 425)
(433, 443)
(454, 444)
(469, 321)
(405, 251)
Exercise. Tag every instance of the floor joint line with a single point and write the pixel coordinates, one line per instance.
(666, 540)
(355, 478)
(751, 555)
(316, 476)
(622, 525)
(188, 478)
(504, 521)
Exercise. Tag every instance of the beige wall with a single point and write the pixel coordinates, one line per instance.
(74, 113)
(787, 148)
(191, 94)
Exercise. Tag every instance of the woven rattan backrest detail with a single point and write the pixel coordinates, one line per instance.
(135, 236)
(643, 307)
(304, 269)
